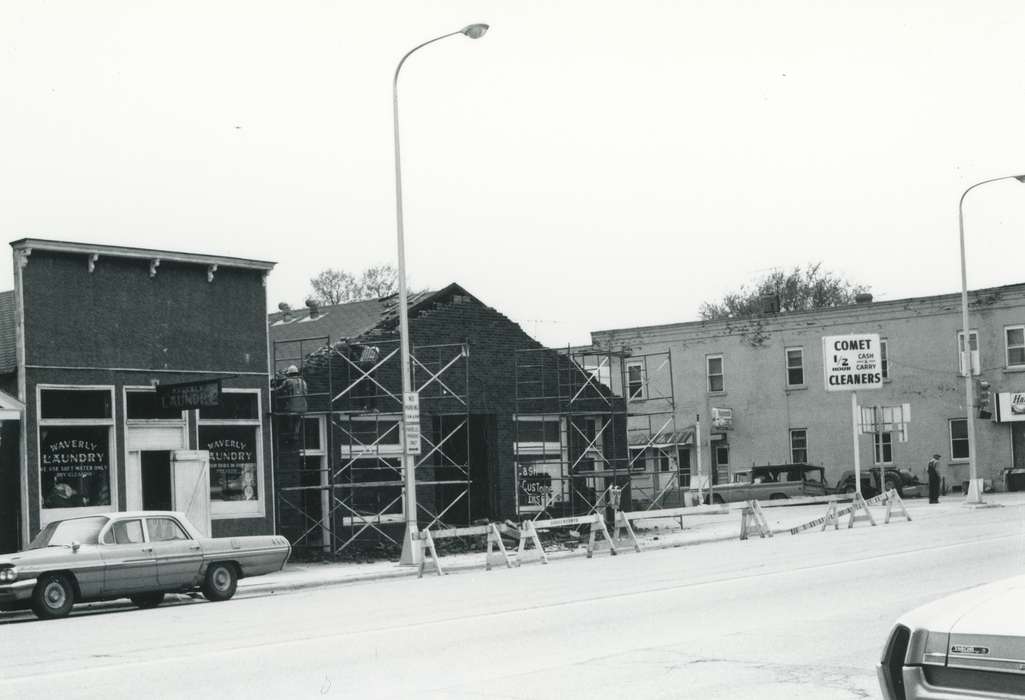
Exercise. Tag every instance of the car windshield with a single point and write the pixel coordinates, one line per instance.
(64, 532)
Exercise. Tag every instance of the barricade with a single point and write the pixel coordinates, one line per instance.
(491, 530)
(625, 518)
(834, 513)
(753, 517)
(530, 528)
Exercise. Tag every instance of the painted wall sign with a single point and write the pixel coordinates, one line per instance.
(189, 395)
(74, 466)
(852, 362)
(1010, 406)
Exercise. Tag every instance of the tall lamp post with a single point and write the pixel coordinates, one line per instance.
(974, 495)
(410, 553)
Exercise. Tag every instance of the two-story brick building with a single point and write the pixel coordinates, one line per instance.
(768, 372)
(104, 352)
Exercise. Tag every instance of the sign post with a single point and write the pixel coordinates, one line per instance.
(849, 363)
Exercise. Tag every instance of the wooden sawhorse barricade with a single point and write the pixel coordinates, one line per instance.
(530, 528)
(858, 511)
(625, 518)
(491, 530)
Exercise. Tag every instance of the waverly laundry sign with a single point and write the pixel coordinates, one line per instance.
(852, 362)
(1010, 407)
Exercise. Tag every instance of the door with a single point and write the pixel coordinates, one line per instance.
(191, 475)
(178, 556)
(155, 470)
(129, 564)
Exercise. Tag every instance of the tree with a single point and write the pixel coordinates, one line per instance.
(331, 286)
(797, 290)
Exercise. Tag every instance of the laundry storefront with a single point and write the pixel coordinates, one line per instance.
(141, 382)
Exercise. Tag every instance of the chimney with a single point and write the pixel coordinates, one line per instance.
(863, 298)
(311, 304)
(284, 309)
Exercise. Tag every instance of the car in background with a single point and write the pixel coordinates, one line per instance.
(771, 482)
(140, 555)
(906, 483)
(967, 645)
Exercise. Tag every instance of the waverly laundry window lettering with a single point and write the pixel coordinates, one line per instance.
(75, 441)
(232, 433)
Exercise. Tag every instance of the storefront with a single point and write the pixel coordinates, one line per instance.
(144, 377)
(1010, 409)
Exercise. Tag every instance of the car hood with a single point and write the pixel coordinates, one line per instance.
(980, 628)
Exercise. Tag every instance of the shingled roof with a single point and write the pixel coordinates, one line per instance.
(354, 319)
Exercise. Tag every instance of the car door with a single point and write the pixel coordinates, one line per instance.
(178, 556)
(129, 565)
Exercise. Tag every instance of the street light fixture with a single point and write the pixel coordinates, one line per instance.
(410, 554)
(974, 495)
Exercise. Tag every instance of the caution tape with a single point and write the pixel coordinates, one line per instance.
(874, 501)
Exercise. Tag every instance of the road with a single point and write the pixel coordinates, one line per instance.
(787, 617)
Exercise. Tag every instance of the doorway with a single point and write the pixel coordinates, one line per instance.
(157, 482)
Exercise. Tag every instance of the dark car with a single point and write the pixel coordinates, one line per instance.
(906, 483)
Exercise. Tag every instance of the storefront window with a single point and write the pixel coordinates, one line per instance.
(74, 467)
(232, 461)
(233, 436)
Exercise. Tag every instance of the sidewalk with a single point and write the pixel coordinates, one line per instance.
(652, 534)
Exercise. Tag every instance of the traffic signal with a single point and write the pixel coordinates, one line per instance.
(985, 400)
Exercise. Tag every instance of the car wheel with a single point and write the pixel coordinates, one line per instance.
(220, 582)
(53, 597)
(892, 484)
(147, 600)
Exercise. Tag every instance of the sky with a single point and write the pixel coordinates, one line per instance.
(586, 165)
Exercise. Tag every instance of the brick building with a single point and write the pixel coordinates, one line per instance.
(99, 348)
(339, 480)
(768, 371)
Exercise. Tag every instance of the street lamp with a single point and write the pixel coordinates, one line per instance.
(974, 495)
(410, 554)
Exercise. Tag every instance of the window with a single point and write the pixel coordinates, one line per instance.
(883, 448)
(795, 366)
(663, 461)
(1015, 339)
(638, 461)
(799, 446)
(75, 450)
(959, 438)
(884, 361)
(127, 532)
(164, 530)
(973, 340)
(684, 456)
(233, 435)
(142, 404)
(635, 381)
(716, 373)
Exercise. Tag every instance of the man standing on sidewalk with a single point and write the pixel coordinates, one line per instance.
(934, 480)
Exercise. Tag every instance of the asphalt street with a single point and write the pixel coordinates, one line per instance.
(788, 617)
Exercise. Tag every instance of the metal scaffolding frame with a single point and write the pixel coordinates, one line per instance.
(338, 471)
(585, 428)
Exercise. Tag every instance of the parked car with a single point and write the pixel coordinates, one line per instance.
(906, 483)
(137, 555)
(771, 482)
(967, 645)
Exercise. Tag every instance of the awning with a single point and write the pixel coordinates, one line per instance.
(668, 439)
(10, 407)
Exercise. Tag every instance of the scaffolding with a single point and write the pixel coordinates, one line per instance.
(593, 427)
(338, 447)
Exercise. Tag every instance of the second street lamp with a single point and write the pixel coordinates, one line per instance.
(974, 495)
(410, 553)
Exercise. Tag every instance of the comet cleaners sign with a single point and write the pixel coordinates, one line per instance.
(852, 362)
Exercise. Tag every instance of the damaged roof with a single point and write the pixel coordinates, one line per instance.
(356, 319)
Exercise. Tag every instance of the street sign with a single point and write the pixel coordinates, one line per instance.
(852, 362)
(411, 422)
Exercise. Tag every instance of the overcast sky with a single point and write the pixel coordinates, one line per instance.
(586, 165)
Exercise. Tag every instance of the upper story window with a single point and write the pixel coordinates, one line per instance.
(883, 448)
(635, 380)
(716, 372)
(973, 344)
(795, 366)
(1014, 337)
(884, 357)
